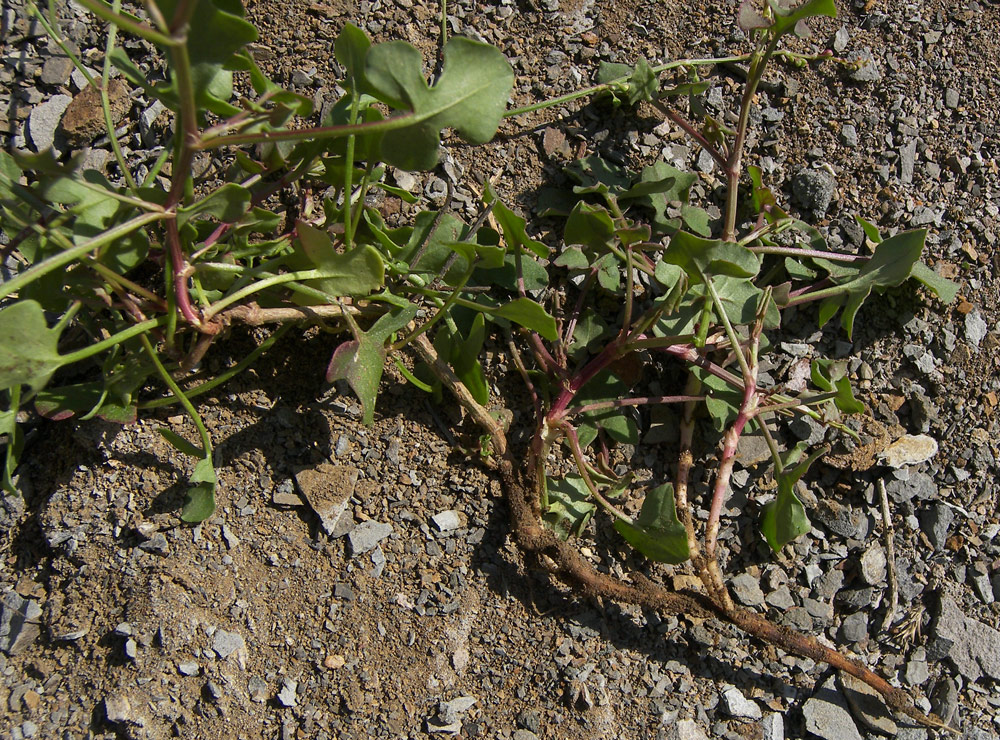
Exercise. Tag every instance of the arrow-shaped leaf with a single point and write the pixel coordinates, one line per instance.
(785, 517)
(28, 347)
(657, 532)
(361, 361)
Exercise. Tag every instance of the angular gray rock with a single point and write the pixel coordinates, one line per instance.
(972, 646)
(814, 190)
(737, 705)
(19, 618)
(773, 727)
(447, 520)
(226, 643)
(287, 696)
(936, 523)
(827, 714)
(44, 120)
(866, 705)
(328, 489)
(367, 535)
(747, 590)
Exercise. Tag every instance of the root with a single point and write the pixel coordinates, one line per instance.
(567, 565)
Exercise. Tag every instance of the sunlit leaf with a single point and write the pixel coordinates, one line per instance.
(657, 532)
(785, 518)
(358, 272)
(705, 257)
(199, 504)
(831, 376)
(28, 348)
(470, 96)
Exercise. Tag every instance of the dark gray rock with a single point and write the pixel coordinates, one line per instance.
(907, 158)
(44, 120)
(849, 135)
(972, 646)
(842, 520)
(827, 715)
(367, 536)
(157, 544)
(936, 523)
(19, 618)
(746, 589)
(814, 190)
(854, 628)
(913, 485)
(868, 72)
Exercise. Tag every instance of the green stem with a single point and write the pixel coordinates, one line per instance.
(122, 336)
(130, 23)
(223, 377)
(106, 102)
(552, 102)
(734, 340)
(64, 258)
(349, 172)
(206, 441)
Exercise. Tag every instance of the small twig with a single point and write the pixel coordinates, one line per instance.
(888, 534)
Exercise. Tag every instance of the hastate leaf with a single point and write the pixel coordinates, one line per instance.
(470, 97)
(28, 347)
(358, 272)
(657, 532)
(701, 257)
(361, 361)
(785, 518)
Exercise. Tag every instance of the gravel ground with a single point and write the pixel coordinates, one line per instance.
(405, 610)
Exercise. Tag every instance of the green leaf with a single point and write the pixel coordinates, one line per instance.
(609, 272)
(181, 444)
(831, 376)
(358, 272)
(889, 267)
(227, 204)
(569, 507)
(786, 18)
(643, 84)
(527, 313)
(707, 257)
(350, 49)
(942, 287)
(785, 518)
(83, 400)
(200, 502)
(28, 348)
(512, 226)
(534, 275)
(216, 32)
(722, 400)
(657, 532)
(590, 226)
(572, 258)
(361, 361)
(870, 229)
(470, 96)
(464, 358)
(696, 219)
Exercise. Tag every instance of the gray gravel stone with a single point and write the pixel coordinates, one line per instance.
(951, 98)
(746, 589)
(873, 566)
(854, 628)
(827, 715)
(226, 643)
(157, 544)
(814, 190)
(328, 489)
(56, 70)
(287, 696)
(188, 668)
(773, 727)
(367, 535)
(44, 120)
(841, 39)
(972, 646)
(19, 619)
(866, 704)
(869, 72)
(737, 705)
(976, 328)
(936, 522)
(907, 158)
(447, 520)
(849, 135)
(117, 708)
(685, 729)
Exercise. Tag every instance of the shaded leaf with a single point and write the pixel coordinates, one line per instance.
(657, 532)
(350, 49)
(512, 226)
(590, 226)
(28, 348)
(569, 507)
(706, 257)
(786, 19)
(831, 376)
(526, 313)
(181, 444)
(227, 204)
(361, 361)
